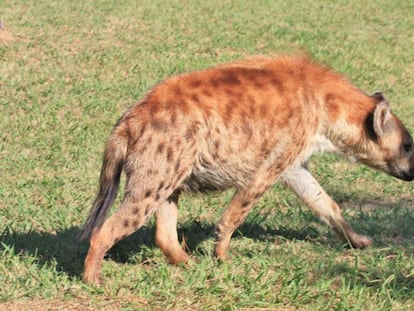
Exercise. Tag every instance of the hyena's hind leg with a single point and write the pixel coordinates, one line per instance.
(137, 206)
(166, 236)
(131, 216)
(310, 192)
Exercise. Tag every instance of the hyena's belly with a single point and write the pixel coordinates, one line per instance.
(211, 177)
(220, 171)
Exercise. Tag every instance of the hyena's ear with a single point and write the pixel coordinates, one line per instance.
(382, 114)
(379, 96)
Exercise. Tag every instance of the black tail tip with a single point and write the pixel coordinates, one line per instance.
(84, 234)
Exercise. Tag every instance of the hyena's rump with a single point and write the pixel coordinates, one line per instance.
(241, 125)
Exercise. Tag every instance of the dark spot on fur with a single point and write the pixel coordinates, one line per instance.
(207, 93)
(215, 83)
(244, 116)
(142, 130)
(169, 154)
(257, 196)
(263, 111)
(183, 106)
(173, 117)
(231, 104)
(177, 166)
(160, 147)
(229, 92)
(126, 223)
(252, 110)
(180, 175)
(148, 193)
(161, 186)
(190, 132)
(157, 124)
(142, 148)
(333, 107)
(245, 204)
(329, 97)
(277, 168)
(229, 77)
(135, 210)
(277, 84)
(256, 74)
(152, 106)
(195, 83)
(265, 147)
(157, 197)
(177, 91)
(259, 85)
(126, 132)
(135, 224)
(247, 129)
(195, 98)
(216, 144)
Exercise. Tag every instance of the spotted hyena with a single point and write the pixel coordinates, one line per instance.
(243, 125)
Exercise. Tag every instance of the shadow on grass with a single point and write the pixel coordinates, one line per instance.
(63, 248)
(395, 282)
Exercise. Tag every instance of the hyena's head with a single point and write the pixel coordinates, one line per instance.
(391, 146)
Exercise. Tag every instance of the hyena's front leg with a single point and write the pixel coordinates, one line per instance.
(233, 216)
(308, 189)
(166, 231)
(243, 201)
(238, 209)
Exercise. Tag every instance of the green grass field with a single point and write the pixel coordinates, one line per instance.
(68, 69)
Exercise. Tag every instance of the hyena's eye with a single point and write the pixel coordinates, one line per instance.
(407, 147)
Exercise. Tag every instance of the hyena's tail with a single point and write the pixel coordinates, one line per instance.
(113, 162)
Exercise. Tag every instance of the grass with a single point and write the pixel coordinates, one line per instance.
(67, 72)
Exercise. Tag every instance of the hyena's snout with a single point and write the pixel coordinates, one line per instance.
(408, 174)
(407, 151)
(403, 168)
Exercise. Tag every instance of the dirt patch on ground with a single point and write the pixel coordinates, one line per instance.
(81, 303)
(6, 37)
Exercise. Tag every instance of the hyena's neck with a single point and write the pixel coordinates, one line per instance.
(347, 110)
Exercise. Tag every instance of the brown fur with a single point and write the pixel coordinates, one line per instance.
(242, 125)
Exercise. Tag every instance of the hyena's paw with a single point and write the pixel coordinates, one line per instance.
(93, 280)
(221, 254)
(221, 257)
(177, 258)
(359, 240)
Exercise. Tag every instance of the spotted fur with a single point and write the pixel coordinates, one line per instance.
(241, 125)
